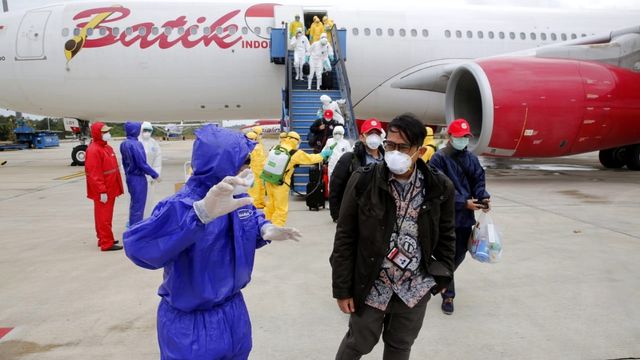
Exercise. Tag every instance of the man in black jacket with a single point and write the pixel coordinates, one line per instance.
(321, 130)
(368, 150)
(394, 245)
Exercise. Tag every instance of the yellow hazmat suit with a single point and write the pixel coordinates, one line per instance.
(429, 144)
(294, 26)
(316, 29)
(258, 157)
(277, 208)
(328, 24)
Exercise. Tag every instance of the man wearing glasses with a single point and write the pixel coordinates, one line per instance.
(394, 245)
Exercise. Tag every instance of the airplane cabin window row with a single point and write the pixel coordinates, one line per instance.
(390, 32)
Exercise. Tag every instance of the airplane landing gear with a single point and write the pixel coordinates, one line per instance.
(79, 153)
(616, 158)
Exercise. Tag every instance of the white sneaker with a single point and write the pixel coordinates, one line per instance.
(308, 87)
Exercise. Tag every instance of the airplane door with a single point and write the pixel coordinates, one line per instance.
(286, 14)
(30, 39)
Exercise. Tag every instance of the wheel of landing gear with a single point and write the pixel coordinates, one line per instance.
(633, 157)
(79, 154)
(612, 158)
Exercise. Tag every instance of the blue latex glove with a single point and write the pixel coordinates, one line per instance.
(326, 65)
(326, 153)
(306, 59)
(331, 57)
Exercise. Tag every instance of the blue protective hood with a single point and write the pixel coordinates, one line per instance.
(217, 153)
(132, 129)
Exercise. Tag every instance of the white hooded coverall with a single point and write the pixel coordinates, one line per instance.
(300, 46)
(318, 54)
(154, 159)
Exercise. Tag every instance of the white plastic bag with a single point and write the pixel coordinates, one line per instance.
(485, 244)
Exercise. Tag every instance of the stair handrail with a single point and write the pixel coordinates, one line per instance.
(344, 85)
(288, 85)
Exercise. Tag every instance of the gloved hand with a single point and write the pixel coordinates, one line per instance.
(331, 57)
(276, 233)
(326, 153)
(156, 180)
(219, 199)
(104, 198)
(306, 58)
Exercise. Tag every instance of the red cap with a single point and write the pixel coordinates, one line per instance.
(459, 128)
(371, 124)
(328, 114)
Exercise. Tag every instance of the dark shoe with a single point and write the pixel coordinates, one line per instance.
(114, 242)
(447, 306)
(113, 248)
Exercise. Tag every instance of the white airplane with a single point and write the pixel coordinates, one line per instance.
(532, 82)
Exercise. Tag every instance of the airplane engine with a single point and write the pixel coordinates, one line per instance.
(523, 107)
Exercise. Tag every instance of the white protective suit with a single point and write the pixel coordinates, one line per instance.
(319, 54)
(154, 159)
(334, 106)
(341, 147)
(300, 46)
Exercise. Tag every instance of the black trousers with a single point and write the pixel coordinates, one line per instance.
(462, 241)
(398, 324)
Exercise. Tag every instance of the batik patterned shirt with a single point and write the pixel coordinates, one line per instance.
(412, 283)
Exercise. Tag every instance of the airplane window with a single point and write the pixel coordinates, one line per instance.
(245, 30)
(425, 33)
(232, 30)
(193, 30)
(257, 30)
(583, 35)
(480, 35)
(491, 35)
(154, 30)
(206, 30)
(115, 31)
(523, 36)
(89, 31)
(76, 31)
(142, 31)
(533, 36)
(65, 32)
(501, 34)
(512, 35)
(402, 32)
(167, 30)
(447, 33)
(414, 32)
(563, 37)
(367, 31)
(379, 32)
(469, 34)
(390, 32)
(573, 36)
(103, 31)
(129, 31)
(180, 30)
(458, 34)
(543, 36)
(554, 37)
(219, 30)
(355, 31)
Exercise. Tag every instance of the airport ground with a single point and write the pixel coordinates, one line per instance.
(567, 287)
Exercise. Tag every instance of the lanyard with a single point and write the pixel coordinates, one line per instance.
(403, 199)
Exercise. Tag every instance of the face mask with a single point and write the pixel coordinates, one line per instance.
(323, 41)
(459, 143)
(146, 135)
(106, 137)
(243, 189)
(338, 137)
(397, 162)
(374, 141)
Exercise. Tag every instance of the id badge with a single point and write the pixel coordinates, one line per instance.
(398, 258)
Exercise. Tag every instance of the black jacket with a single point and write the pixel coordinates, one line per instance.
(317, 137)
(348, 163)
(367, 218)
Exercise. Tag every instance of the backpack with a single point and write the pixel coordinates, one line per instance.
(276, 165)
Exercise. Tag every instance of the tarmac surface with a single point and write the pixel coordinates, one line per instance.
(567, 287)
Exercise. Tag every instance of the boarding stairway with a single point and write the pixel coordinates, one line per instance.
(300, 106)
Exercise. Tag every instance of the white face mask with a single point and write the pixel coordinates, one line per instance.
(146, 135)
(243, 189)
(323, 41)
(459, 143)
(374, 141)
(338, 137)
(106, 136)
(397, 162)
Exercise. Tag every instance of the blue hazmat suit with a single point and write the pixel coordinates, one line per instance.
(202, 314)
(134, 161)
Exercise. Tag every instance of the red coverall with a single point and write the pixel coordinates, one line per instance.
(103, 176)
